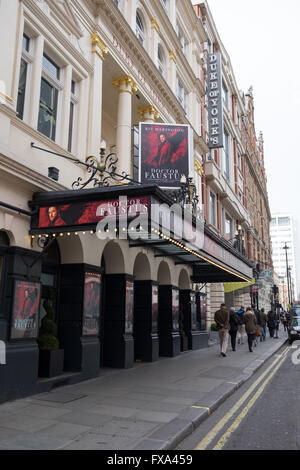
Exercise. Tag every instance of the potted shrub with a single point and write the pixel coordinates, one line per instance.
(51, 358)
(214, 335)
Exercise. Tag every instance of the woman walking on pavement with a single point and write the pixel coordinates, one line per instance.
(271, 323)
(263, 322)
(233, 322)
(250, 326)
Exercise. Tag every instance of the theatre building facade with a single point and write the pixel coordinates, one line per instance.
(106, 256)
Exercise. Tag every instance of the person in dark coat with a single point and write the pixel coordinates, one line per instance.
(221, 319)
(258, 322)
(250, 326)
(241, 326)
(233, 322)
(271, 323)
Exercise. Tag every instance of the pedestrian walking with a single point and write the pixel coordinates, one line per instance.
(250, 326)
(285, 320)
(241, 326)
(263, 322)
(271, 323)
(234, 323)
(257, 314)
(277, 323)
(221, 319)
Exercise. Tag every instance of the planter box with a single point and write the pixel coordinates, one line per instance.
(51, 363)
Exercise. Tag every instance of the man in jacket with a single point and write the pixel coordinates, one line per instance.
(221, 319)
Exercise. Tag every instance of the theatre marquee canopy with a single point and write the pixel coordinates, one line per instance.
(147, 217)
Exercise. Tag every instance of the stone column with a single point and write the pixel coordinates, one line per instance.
(172, 71)
(99, 50)
(148, 113)
(126, 86)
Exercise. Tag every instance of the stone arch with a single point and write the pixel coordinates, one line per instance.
(164, 273)
(70, 248)
(184, 280)
(114, 258)
(142, 268)
(6, 238)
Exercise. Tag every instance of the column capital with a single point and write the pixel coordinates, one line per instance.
(98, 46)
(127, 81)
(172, 56)
(198, 168)
(149, 110)
(155, 25)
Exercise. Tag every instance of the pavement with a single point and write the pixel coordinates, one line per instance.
(152, 406)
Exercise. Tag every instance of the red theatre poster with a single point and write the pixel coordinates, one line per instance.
(175, 309)
(129, 307)
(91, 304)
(165, 153)
(154, 308)
(26, 302)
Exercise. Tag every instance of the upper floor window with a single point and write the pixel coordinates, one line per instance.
(226, 155)
(212, 208)
(140, 29)
(228, 227)
(73, 115)
(26, 60)
(165, 4)
(225, 94)
(181, 94)
(50, 88)
(182, 40)
(161, 61)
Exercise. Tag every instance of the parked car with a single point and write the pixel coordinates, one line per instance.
(294, 329)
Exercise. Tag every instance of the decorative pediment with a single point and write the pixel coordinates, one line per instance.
(63, 12)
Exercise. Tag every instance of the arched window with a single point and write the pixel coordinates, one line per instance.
(161, 63)
(140, 30)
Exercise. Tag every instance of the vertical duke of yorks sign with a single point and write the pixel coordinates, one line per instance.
(215, 104)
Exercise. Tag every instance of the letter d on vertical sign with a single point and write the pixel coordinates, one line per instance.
(2, 353)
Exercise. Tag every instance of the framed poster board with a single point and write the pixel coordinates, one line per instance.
(129, 307)
(165, 154)
(25, 312)
(175, 310)
(91, 304)
(154, 308)
(194, 323)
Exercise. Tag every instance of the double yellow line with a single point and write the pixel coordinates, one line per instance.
(204, 443)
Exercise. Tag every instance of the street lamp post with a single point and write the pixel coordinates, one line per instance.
(287, 271)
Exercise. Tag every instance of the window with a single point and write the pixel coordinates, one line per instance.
(181, 94)
(226, 156)
(212, 208)
(239, 160)
(140, 30)
(161, 61)
(50, 87)
(23, 77)
(225, 94)
(228, 227)
(165, 4)
(182, 40)
(72, 117)
(283, 220)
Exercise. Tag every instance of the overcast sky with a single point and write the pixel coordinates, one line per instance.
(262, 38)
